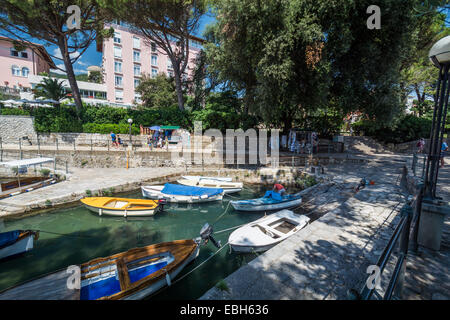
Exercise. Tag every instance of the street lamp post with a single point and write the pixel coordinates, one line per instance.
(433, 210)
(440, 56)
(130, 121)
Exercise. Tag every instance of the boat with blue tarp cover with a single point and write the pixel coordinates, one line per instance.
(182, 194)
(16, 242)
(270, 201)
(131, 275)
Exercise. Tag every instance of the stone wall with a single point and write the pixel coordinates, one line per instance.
(16, 127)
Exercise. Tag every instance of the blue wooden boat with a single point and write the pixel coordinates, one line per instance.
(270, 201)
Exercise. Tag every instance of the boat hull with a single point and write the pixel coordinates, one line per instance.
(197, 178)
(20, 246)
(162, 282)
(121, 207)
(267, 232)
(117, 268)
(250, 249)
(266, 207)
(123, 213)
(228, 187)
(156, 194)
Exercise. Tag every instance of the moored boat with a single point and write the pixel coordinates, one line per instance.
(16, 242)
(122, 206)
(264, 233)
(228, 187)
(271, 201)
(131, 275)
(182, 194)
(197, 178)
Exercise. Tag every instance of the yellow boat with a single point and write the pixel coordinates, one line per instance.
(122, 206)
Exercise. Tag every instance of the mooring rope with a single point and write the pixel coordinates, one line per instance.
(222, 214)
(188, 273)
(228, 229)
(209, 258)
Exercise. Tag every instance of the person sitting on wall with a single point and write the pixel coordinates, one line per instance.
(278, 188)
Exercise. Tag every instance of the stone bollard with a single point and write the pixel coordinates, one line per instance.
(431, 223)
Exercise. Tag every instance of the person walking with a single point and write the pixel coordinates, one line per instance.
(114, 139)
(444, 149)
(420, 145)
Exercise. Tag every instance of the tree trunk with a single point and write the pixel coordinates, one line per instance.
(179, 88)
(71, 76)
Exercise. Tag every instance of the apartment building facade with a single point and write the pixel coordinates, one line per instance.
(18, 66)
(128, 56)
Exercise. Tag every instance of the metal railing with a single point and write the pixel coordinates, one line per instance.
(415, 162)
(401, 237)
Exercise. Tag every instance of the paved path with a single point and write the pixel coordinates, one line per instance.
(73, 189)
(330, 255)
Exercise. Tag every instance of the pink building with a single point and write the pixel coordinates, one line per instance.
(127, 56)
(17, 67)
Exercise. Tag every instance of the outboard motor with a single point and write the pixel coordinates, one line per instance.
(162, 203)
(206, 235)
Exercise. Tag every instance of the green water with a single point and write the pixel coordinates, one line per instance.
(88, 236)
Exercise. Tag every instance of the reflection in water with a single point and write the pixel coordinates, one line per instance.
(78, 235)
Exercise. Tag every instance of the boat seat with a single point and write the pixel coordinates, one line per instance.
(116, 204)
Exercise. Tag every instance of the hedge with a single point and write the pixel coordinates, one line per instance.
(110, 127)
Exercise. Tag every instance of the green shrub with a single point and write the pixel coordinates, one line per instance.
(45, 172)
(406, 128)
(109, 127)
(15, 111)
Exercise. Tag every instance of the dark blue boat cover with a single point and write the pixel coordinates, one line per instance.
(182, 190)
(7, 238)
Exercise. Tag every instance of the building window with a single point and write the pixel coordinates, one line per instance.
(154, 60)
(153, 45)
(21, 54)
(117, 38)
(16, 71)
(118, 81)
(137, 82)
(25, 72)
(169, 64)
(154, 72)
(118, 66)
(14, 52)
(117, 52)
(137, 98)
(136, 56)
(170, 74)
(119, 95)
(136, 43)
(137, 70)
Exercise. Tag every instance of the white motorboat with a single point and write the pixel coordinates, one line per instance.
(263, 234)
(197, 178)
(182, 194)
(228, 187)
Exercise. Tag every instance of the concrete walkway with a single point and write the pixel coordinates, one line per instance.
(93, 179)
(330, 255)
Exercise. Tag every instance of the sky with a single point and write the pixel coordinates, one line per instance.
(93, 58)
